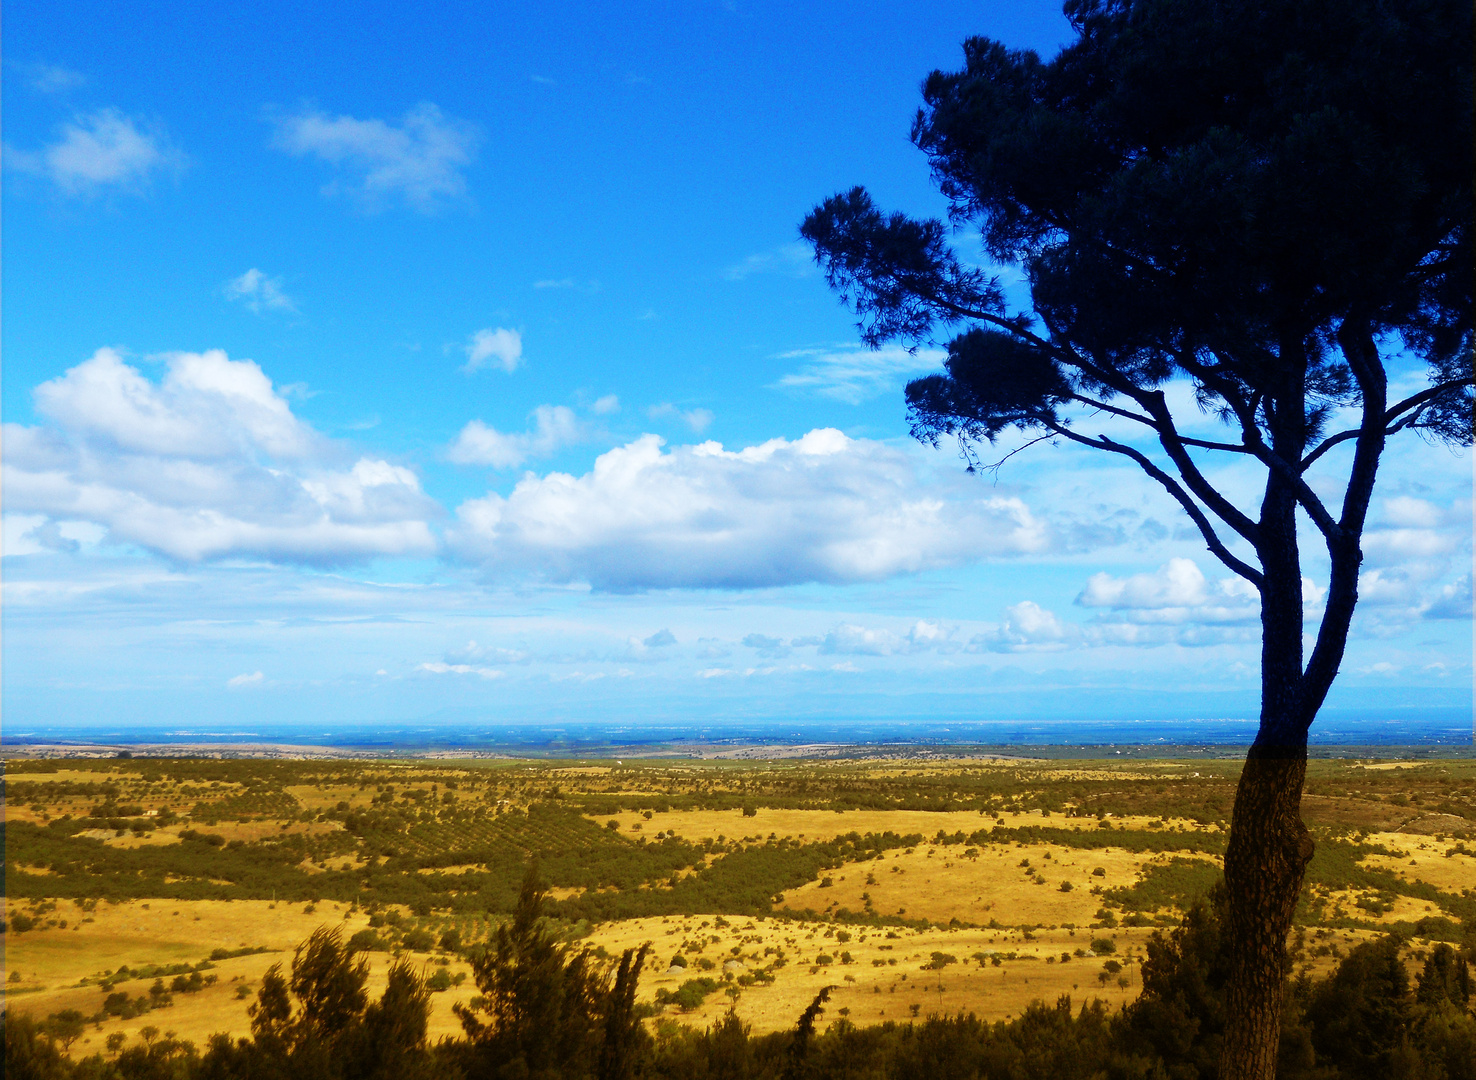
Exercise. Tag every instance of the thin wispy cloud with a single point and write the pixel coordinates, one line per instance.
(99, 151)
(499, 348)
(52, 78)
(789, 260)
(259, 292)
(437, 667)
(854, 374)
(699, 420)
(421, 160)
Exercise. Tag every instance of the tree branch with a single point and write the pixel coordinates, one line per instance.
(1147, 421)
(1362, 354)
(1012, 325)
(995, 467)
(1207, 530)
(1169, 436)
(1414, 401)
(1255, 444)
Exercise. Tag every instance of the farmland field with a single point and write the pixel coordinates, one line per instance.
(152, 894)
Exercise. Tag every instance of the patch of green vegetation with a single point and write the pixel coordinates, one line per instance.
(1176, 883)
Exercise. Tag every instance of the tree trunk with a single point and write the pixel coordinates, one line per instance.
(1267, 855)
(1269, 846)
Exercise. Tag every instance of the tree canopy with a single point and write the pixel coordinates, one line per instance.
(1270, 202)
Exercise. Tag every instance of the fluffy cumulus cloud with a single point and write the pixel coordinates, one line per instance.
(209, 462)
(822, 508)
(1176, 592)
(1176, 604)
(497, 348)
(1028, 627)
(848, 639)
(553, 427)
(99, 151)
(421, 160)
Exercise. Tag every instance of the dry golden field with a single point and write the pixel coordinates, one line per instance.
(986, 902)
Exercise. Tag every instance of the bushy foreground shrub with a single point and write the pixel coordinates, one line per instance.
(548, 1010)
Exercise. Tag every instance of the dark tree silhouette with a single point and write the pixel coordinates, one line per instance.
(796, 1061)
(335, 1032)
(1270, 201)
(548, 1010)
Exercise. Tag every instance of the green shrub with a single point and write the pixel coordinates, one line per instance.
(365, 941)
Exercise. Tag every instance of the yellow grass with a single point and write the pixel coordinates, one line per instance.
(939, 884)
(818, 825)
(162, 932)
(1448, 873)
(1405, 908)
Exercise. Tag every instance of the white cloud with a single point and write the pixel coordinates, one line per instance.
(854, 374)
(422, 159)
(770, 647)
(207, 463)
(1453, 602)
(32, 534)
(660, 639)
(242, 682)
(1409, 529)
(1028, 627)
(823, 508)
(259, 292)
(699, 420)
(554, 426)
(762, 641)
(1175, 593)
(479, 444)
(494, 348)
(53, 79)
(606, 405)
(555, 283)
(207, 406)
(436, 667)
(99, 150)
(473, 651)
(850, 639)
(790, 260)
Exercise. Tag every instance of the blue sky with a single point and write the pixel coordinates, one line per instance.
(463, 366)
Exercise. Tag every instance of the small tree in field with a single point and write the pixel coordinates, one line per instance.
(1272, 202)
(550, 1011)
